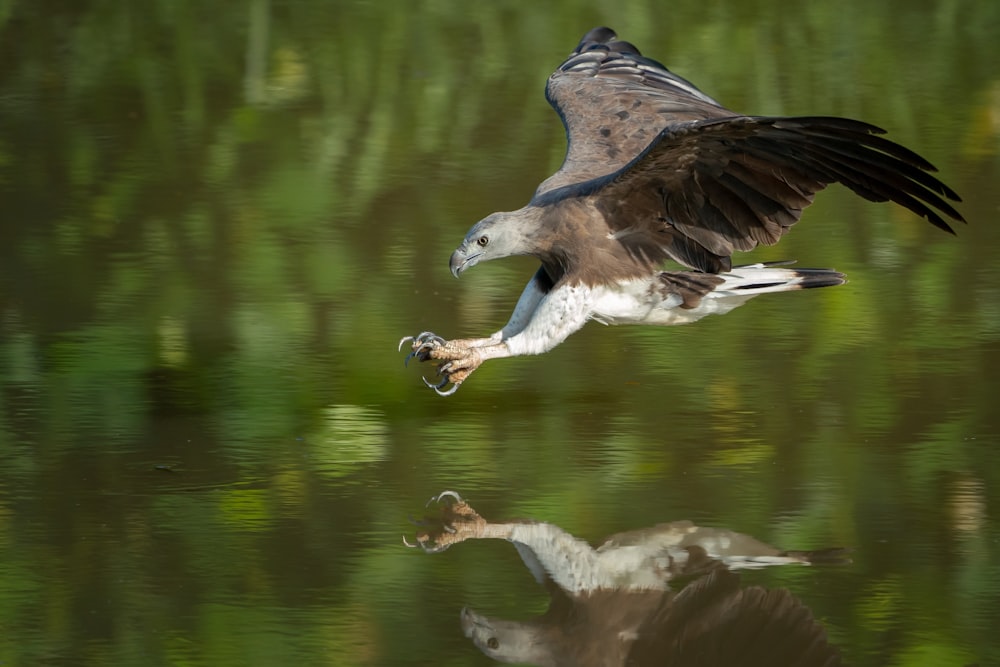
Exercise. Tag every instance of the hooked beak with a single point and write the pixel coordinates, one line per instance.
(461, 260)
(471, 622)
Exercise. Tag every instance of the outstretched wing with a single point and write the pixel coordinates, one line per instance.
(614, 102)
(729, 184)
(678, 176)
(715, 621)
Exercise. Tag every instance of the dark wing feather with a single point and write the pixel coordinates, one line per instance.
(734, 183)
(714, 621)
(613, 102)
(678, 176)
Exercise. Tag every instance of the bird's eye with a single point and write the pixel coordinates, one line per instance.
(482, 241)
(493, 642)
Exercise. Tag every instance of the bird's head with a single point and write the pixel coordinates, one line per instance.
(507, 641)
(495, 236)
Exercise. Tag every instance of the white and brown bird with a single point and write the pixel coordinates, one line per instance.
(625, 602)
(656, 170)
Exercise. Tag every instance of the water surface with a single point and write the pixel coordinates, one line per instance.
(219, 221)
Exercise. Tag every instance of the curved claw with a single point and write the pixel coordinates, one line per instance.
(429, 338)
(433, 386)
(437, 387)
(423, 545)
(451, 391)
(403, 340)
(445, 494)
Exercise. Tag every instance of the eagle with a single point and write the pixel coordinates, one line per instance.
(657, 170)
(622, 603)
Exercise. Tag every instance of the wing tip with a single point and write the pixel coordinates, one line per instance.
(599, 35)
(606, 39)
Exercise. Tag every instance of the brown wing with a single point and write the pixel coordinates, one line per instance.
(614, 102)
(678, 176)
(704, 189)
(714, 621)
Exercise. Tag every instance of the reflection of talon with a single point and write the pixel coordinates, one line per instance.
(450, 494)
(422, 345)
(458, 522)
(445, 494)
(418, 522)
(422, 543)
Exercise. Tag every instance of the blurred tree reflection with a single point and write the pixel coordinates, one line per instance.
(218, 219)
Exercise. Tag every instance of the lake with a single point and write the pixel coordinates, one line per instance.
(219, 220)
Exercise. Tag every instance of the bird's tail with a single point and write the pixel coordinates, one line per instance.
(764, 277)
(689, 296)
(833, 556)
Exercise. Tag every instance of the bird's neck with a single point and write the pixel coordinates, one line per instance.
(573, 242)
(556, 241)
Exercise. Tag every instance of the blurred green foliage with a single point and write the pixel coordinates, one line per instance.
(219, 219)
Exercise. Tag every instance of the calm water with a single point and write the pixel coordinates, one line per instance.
(217, 223)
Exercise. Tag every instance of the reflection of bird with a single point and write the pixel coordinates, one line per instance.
(613, 605)
(711, 622)
(657, 170)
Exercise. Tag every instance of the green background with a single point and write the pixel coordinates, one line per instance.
(218, 219)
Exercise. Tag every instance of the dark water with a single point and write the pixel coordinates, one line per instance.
(218, 221)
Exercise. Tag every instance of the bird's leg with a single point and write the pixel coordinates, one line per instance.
(459, 522)
(461, 356)
(544, 547)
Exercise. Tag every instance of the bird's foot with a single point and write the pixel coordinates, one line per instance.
(458, 359)
(459, 522)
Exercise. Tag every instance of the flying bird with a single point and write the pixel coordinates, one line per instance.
(622, 603)
(657, 170)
